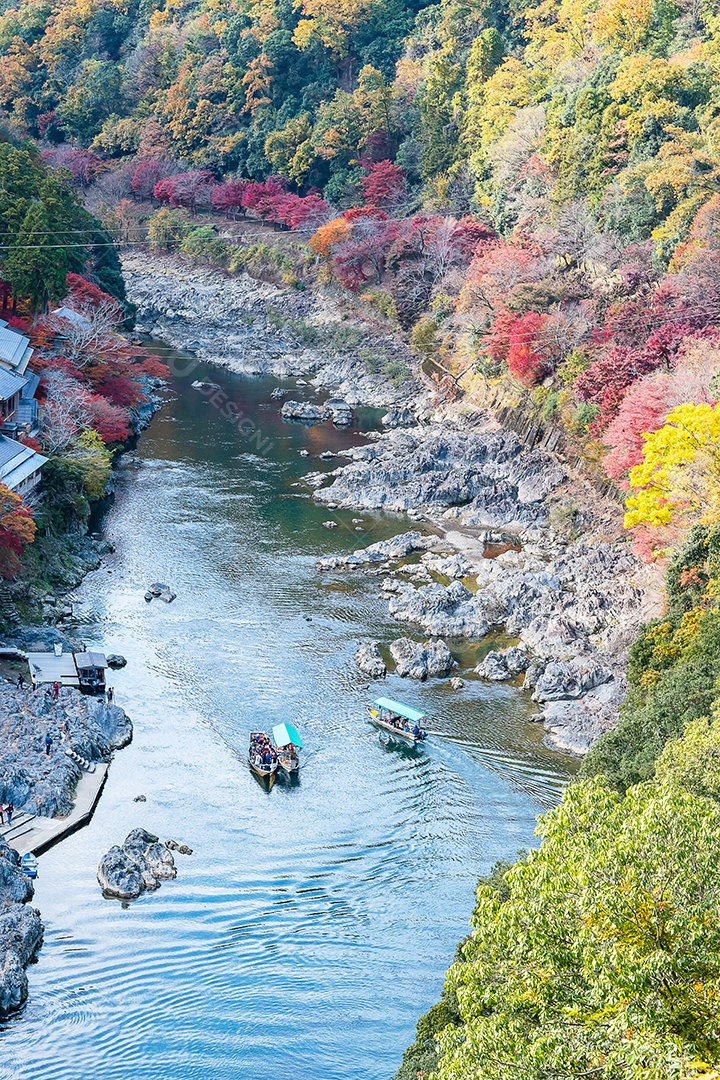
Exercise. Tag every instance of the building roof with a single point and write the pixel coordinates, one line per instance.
(32, 380)
(15, 351)
(90, 660)
(81, 321)
(10, 384)
(17, 462)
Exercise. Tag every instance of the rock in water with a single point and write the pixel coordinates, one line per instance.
(499, 666)
(141, 863)
(369, 660)
(158, 587)
(417, 661)
(340, 412)
(115, 660)
(305, 411)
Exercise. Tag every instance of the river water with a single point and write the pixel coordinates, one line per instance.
(313, 923)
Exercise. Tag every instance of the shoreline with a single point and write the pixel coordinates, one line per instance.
(586, 593)
(54, 795)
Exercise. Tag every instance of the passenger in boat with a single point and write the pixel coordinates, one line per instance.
(416, 732)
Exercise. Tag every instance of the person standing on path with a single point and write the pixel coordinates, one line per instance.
(20, 682)
(2, 814)
(48, 743)
(56, 690)
(109, 696)
(9, 811)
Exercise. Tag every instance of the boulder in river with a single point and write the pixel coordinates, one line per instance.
(161, 591)
(417, 660)
(369, 660)
(305, 411)
(141, 863)
(562, 680)
(397, 547)
(500, 666)
(115, 660)
(340, 412)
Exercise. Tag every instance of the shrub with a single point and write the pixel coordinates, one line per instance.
(204, 243)
(167, 228)
(397, 371)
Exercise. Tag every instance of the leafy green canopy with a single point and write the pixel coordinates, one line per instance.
(674, 670)
(45, 233)
(604, 957)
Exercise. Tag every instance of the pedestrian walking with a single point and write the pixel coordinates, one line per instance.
(2, 814)
(56, 690)
(110, 695)
(9, 810)
(20, 681)
(48, 743)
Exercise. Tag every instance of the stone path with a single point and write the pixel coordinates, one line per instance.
(37, 834)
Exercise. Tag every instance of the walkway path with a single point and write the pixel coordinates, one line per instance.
(37, 834)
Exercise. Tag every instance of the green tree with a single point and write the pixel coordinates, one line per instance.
(35, 266)
(603, 959)
(167, 228)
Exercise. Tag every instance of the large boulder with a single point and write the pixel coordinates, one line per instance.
(416, 660)
(562, 680)
(397, 547)
(500, 666)
(141, 863)
(340, 412)
(369, 660)
(399, 417)
(451, 610)
(305, 411)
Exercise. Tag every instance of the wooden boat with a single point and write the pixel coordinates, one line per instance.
(399, 720)
(29, 865)
(287, 745)
(261, 768)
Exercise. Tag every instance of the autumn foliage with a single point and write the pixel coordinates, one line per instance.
(17, 529)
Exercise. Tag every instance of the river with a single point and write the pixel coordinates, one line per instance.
(313, 923)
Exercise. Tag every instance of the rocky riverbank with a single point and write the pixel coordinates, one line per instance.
(256, 328)
(565, 585)
(21, 931)
(42, 783)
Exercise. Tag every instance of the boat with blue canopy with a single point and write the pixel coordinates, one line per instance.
(287, 744)
(29, 865)
(400, 720)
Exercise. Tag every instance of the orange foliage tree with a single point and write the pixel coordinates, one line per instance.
(17, 529)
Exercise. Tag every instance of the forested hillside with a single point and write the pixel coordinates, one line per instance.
(528, 191)
(530, 195)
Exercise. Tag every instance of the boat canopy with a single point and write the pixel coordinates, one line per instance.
(285, 735)
(399, 709)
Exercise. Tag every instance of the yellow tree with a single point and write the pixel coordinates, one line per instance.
(330, 21)
(678, 481)
(623, 24)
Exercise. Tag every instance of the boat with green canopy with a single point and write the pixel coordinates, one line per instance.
(287, 744)
(400, 720)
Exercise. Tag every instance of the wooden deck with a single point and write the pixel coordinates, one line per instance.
(37, 834)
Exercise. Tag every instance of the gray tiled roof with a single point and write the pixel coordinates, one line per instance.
(15, 350)
(9, 449)
(10, 383)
